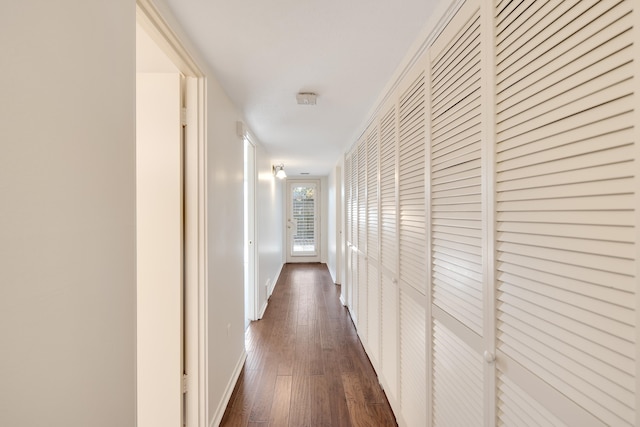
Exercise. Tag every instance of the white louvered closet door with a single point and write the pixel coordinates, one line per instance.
(363, 322)
(389, 253)
(373, 247)
(347, 233)
(456, 117)
(412, 247)
(411, 142)
(353, 306)
(566, 212)
(348, 197)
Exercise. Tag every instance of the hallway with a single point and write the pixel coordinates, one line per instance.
(305, 364)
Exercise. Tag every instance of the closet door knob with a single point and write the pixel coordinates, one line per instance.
(489, 357)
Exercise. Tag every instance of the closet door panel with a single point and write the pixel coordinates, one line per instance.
(457, 221)
(373, 191)
(373, 312)
(389, 254)
(413, 384)
(565, 193)
(412, 245)
(457, 378)
(411, 167)
(390, 344)
(456, 244)
(363, 287)
(388, 198)
(373, 246)
(520, 409)
(354, 236)
(349, 197)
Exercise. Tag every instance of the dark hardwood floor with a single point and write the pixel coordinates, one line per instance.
(305, 365)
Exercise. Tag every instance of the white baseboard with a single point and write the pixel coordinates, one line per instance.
(332, 273)
(271, 285)
(222, 406)
(263, 309)
(275, 279)
(393, 402)
(344, 303)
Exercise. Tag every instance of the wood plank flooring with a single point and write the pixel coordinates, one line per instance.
(305, 365)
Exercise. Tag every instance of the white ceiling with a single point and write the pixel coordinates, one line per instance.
(263, 52)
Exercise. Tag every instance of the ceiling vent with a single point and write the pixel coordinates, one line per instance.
(306, 98)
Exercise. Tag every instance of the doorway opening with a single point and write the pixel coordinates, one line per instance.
(159, 236)
(250, 270)
(171, 214)
(303, 207)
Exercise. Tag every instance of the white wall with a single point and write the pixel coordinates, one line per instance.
(225, 236)
(67, 214)
(225, 240)
(270, 226)
(67, 230)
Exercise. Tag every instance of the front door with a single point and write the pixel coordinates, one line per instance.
(303, 223)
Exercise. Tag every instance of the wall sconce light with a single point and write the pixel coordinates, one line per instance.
(278, 171)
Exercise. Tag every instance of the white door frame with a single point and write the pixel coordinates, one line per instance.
(251, 269)
(339, 224)
(195, 199)
(287, 218)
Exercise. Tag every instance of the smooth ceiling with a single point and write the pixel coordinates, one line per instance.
(263, 52)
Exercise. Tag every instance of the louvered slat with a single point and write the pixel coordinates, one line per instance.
(363, 295)
(354, 236)
(413, 385)
(354, 195)
(348, 197)
(354, 309)
(372, 196)
(516, 408)
(388, 216)
(411, 163)
(389, 344)
(362, 195)
(373, 314)
(362, 290)
(456, 177)
(565, 192)
(457, 380)
(389, 254)
(372, 256)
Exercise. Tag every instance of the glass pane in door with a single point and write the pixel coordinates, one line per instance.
(303, 206)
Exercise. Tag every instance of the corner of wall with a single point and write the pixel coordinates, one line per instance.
(222, 406)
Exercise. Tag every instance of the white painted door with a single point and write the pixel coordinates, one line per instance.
(159, 250)
(507, 206)
(160, 195)
(302, 227)
(461, 323)
(250, 278)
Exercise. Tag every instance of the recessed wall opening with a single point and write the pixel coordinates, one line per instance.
(171, 213)
(250, 273)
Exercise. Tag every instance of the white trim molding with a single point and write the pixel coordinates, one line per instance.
(219, 413)
(155, 23)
